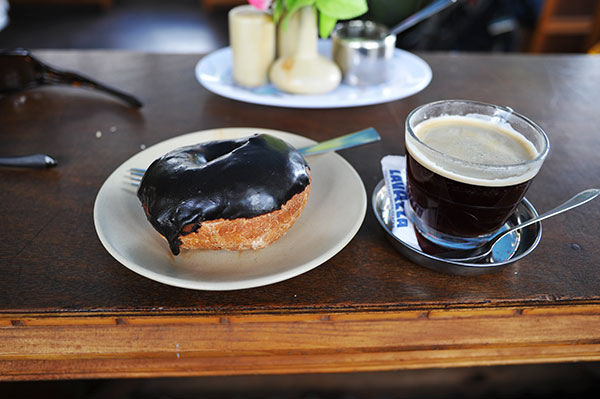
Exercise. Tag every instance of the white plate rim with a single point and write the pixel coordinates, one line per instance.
(119, 172)
(381, 93)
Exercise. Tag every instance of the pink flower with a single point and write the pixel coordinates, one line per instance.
(260, 4)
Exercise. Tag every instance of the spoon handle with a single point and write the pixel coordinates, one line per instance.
(575, 201)
(38, 161)
(420, 16)
(339, 143)
(479, 253)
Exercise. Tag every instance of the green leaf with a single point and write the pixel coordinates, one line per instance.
(277, 11)
(342, 9)
(326, 25)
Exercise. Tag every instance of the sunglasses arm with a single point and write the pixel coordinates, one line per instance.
(54, 76)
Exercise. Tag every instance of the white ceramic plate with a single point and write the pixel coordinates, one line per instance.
(411, 75)
(334, 212)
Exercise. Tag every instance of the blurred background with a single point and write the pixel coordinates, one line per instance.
(551, 381)
(555, 26)
(200, 26)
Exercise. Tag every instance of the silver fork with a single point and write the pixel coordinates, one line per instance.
(355, 139)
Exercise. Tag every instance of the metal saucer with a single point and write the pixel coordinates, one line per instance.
(525, 239)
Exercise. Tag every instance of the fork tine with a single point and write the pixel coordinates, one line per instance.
(137, 171)
(136, 175)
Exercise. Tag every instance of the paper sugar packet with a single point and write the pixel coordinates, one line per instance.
(394, 174)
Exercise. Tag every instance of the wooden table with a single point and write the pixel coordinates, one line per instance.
(69, 310)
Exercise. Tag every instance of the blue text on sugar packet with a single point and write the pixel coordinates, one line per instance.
(399, 198)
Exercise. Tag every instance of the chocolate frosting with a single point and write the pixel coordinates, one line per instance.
(226, 179)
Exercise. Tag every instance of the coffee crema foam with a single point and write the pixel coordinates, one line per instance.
(497, 154)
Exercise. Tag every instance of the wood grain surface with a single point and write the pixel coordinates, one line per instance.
(69, 310)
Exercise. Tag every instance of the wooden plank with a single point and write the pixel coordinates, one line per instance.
(104, 346)
(571, 25)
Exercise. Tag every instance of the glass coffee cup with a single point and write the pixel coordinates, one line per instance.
(469, 165)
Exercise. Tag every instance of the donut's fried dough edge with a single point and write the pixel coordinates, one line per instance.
(247, 233)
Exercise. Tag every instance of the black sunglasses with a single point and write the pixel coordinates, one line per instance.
(20, 70)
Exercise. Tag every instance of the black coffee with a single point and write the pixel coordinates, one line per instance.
(466, 201)
(457, 208)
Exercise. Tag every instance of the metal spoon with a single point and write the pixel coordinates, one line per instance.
(419, 16)
(361, 137)
(473, 255)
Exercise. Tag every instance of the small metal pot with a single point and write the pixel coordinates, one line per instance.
(363, 50)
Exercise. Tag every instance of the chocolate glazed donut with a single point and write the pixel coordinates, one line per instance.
(227, 188)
